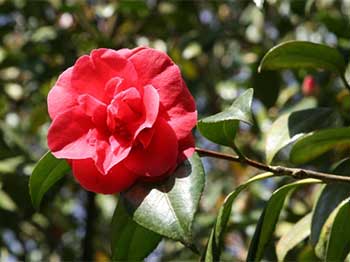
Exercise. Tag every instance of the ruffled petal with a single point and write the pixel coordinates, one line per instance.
(69, 135)
(159, 157)
(92, 73)
(151, 107)
(95, 109)
(118, 179)
(62, 96)
(109, 154)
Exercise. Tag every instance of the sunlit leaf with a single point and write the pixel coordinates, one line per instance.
(334, 239)
(221, 128)
(311, 146)
(293, 237)
(329, 199)
(168, 208)
(46, 173)
(130, 241)
(302, 54)
(268, 220)
(215, 241)
(288, 127)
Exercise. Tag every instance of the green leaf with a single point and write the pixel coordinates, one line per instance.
(288, 127)
(130, 241)
(301, 54)
(221, 128)
(215, 241)
(338, 245)
(293, 237)
(168, 208)
(311, 146)
(329, 199)
(46, 173)
(340, 240)
(268, 220)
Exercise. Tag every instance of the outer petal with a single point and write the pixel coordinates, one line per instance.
(125, 52)
(69, 136)
(62, 96)
(118, 179)
(159, 157)
(178, 105)
(186, 148)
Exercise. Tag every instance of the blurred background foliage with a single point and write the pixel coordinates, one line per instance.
(218, 45)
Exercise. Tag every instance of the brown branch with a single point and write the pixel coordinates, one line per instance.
(297, 173)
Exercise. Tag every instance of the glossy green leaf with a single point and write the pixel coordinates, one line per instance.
(301, 54)
(288, 127)
(268, 220)
(46, 173)
(221, 128)
(311, 146)
(330, 197)
(130, 241)
(338, 245)
(215, 241)
(168, 208)
(293, 237)
(327, 231)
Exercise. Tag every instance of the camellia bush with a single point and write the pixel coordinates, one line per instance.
(175, 131)
(122, 121)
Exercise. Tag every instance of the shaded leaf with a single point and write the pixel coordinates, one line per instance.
(288, 127)
(168, 207)
(302, 54)
(311, 146)
(46, 173)
(268, 220)
(215, 241)
(221, 128)
(130, 241)
(293, 237)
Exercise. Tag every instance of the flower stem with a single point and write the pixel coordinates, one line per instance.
(297, 173)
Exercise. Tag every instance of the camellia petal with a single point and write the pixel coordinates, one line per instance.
(62, 96)
(68, 135)
(159, 157)
(117, 179)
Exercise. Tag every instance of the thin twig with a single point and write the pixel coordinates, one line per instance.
(297, 173)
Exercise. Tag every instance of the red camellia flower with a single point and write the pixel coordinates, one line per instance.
(119, 116)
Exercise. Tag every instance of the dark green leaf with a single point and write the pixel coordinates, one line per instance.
(130, 241)
(329, 199)
(168, 208)
(45, 174)
(215, 241)
(311, 146)
(221, 128)
(288, 127)
(301, 54)
(293, 237)
(266, 86)
(268, 220)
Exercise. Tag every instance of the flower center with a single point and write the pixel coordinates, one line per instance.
(123, 112)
